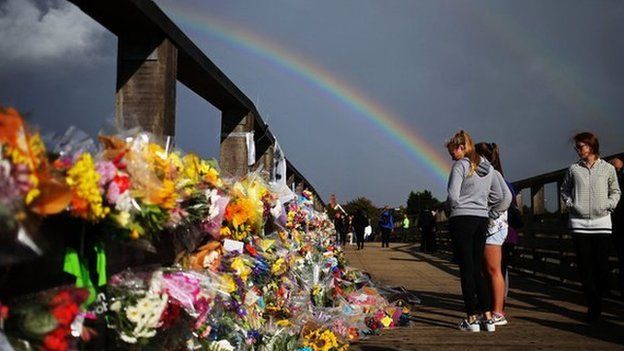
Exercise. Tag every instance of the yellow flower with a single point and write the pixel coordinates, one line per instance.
(228, 284)
(83, 179)
(167, 195)
(279, 267)
(242, 270)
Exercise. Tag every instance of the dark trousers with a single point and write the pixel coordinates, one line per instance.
(592, 257)
(428, 243)
(468, 234)
(343, 239)
(359, 236)
(385, 237)
(618, 242)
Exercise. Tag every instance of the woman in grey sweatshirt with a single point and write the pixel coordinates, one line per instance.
(591, 192)
(476, 192)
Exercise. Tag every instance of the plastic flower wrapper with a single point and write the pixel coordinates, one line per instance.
(244, 215)
(24, 160)
(47, 320)
(285, 339)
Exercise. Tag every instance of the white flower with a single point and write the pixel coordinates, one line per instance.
(128, 339)
(133, 314)
(124, 202)
(115, 306)
(221, 345)
(153, 320)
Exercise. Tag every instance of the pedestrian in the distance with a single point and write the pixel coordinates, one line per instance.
(476, 193)
(386, 225)
(341, 228)
(360, 222)
(426, 225)
(590, 191)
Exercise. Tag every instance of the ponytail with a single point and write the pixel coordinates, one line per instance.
(462, 138)
(491, 153)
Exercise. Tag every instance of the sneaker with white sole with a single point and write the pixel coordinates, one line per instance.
(474, 327)
(488, 325)
(499, 319)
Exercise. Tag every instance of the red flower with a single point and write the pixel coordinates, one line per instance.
(61, 298)
(56, 340)
(123, 183)
(252, 250)
(65, 314)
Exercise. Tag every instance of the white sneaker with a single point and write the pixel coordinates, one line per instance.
(474, 327)
(499, 319)
(488, 325)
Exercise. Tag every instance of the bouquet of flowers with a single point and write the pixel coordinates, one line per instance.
(47, 320)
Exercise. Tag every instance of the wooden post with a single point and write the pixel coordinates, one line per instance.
(537, 199)
(146, 82)
(233, 154)
(519, 201)
(264, 156)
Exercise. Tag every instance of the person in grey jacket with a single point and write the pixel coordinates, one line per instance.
(590, 192)
(476, 193)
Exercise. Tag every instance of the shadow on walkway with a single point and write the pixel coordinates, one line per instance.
(541, 297)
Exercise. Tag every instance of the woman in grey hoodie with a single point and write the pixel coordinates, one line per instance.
(591, 192)
(476, 192)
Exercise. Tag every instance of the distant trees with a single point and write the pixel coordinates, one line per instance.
(420, 200)
(365, 204)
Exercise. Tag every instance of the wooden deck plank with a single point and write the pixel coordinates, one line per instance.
(541, 316)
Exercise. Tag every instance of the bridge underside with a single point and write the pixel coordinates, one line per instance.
(541, 315)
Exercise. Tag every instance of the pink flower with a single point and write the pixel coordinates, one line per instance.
(107, 171)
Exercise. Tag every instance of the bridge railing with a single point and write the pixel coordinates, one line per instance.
(153, 54)
(545, 248)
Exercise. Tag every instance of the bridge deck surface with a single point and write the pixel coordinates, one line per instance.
(541, 315)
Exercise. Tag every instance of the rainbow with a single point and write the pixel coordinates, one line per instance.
(399, 133)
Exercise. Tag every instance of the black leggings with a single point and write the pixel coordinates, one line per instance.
(359, 235)
(468, 234)
(592, 257)
(385, 237)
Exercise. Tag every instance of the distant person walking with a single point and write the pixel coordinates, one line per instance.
(360, 222)
(406, 226)
(590, 191)
(476, 192)
(426, 225)
(496, 236)
(617, 219)
(386, 225)
(340, 224)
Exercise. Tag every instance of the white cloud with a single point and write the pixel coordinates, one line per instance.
(31, 35)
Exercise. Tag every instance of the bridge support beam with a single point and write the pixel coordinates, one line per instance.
(146, 83)
(233, 155)
(537, 199)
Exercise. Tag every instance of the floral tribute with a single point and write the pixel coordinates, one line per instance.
(251, 273)
(48, 319)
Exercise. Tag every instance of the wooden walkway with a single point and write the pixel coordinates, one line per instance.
(542, 316)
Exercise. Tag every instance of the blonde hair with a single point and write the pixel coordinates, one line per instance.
(462, 138)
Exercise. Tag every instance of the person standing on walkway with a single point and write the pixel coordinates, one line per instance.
(386, 225)
(496, 236)
(360, 222)
(590, 191)
(341, 229)
(617, 219)
(426, 225)
(476, 192)
(406, 225)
